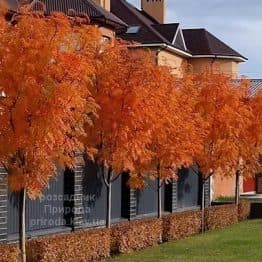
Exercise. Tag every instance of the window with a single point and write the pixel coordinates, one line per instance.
(133, 30)
(105, 39)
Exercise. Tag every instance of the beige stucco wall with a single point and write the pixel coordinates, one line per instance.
(169, 59)
(226, 66)
(107, 32)
(104, 3)
(223, 186)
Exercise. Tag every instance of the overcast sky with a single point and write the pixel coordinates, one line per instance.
(236, 22)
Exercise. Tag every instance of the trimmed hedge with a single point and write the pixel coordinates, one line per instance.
(244, 208)
(88, 245)
(9, 253)
(181, 225)
(220, 216)
(135, 235)
(96, 244)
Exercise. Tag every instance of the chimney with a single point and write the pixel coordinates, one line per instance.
(104, 3)
(155, 8)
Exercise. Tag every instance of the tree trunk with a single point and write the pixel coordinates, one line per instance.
(237, 188)
(108, 200)
(159, 206)
(108, 216)
(22, 201)
(203, 207)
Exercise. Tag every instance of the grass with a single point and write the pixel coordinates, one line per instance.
(225, 198)
(239, 243)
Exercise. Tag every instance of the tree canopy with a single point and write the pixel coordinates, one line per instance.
(45, 98)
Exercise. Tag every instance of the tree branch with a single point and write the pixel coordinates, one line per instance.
(113, 179)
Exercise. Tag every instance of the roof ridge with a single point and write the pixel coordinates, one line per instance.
(103, 10)
(148, 15)
(166, 24)
(191, 29)
(208, 41)
(227, 45)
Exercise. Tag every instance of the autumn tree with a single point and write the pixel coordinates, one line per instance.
(125, 92)
(45, 101)
(248, 159)
(176, 135)
(129, 92)
(226, 122)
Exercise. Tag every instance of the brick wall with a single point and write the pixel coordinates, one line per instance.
(207, 192)
(3, 205)
(129, 199)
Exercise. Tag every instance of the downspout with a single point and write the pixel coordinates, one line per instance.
(212, 63)
(163, 47)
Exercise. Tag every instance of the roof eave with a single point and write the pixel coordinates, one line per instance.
(120, 28)
(186, 54)
(236, 58)
(163, 46)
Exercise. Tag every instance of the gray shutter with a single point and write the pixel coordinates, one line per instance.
(3, 204)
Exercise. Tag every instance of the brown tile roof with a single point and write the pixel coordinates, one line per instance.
(133, 17)
(96, 13)
(201, 42)
(150, 30)
(197, 41)
(255, 86)
(167, 30)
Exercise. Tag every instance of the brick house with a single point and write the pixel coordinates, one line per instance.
(172, 44)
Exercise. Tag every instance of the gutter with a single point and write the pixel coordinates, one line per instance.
(164, 46)
(186, 54)
(237, 58)
(158, 52)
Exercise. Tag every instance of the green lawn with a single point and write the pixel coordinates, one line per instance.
(241, 242)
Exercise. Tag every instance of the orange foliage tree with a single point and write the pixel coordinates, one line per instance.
(226, 119)
(45, 101)
(143, 128)
(129, 97)
(176, 136)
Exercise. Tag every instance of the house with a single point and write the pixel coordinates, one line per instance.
(172, 44)
(108, 23)
(225, 187)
